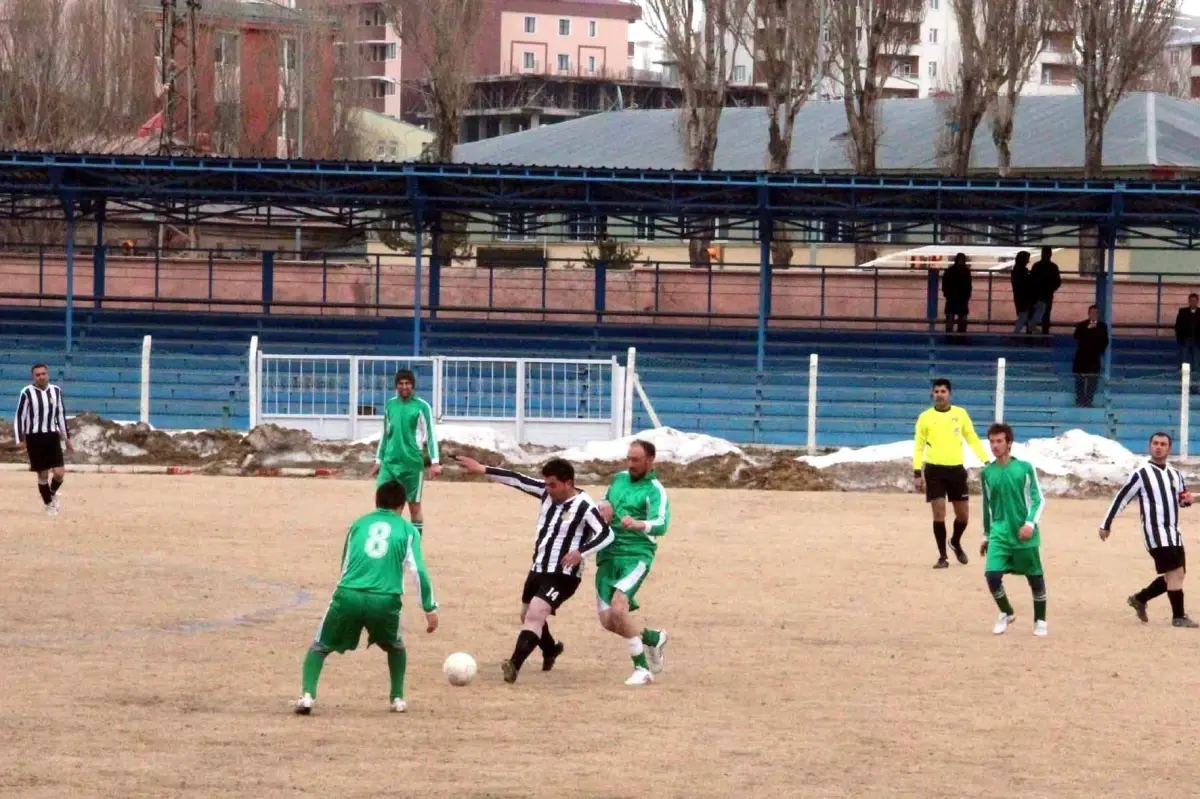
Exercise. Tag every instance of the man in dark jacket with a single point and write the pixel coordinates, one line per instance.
(1044, 280)
(956, 288)
(1187, 333)
(1091, 342)
(1021, 292)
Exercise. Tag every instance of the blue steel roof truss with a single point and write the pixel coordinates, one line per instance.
(1151, 214)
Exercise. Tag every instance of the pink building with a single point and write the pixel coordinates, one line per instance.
(558, 37)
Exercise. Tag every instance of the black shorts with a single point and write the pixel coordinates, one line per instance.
(945, 482)
(1168, 559)
(45, 451)
(553, 589)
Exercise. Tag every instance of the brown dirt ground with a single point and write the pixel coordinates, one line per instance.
(814, 653)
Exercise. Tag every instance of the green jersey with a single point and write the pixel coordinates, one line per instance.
(378, 547)
(644, 500)
(407, 430)
(1012, 499)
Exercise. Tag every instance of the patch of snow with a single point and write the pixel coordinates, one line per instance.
(1074, 453)
(672, 446)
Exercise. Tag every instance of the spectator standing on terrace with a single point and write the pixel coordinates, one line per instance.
(1021, 291)
(1187, 333)
(1044, 281)
(956, 288)
(1091, 341)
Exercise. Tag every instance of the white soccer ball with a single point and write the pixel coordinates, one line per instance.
(460, 668)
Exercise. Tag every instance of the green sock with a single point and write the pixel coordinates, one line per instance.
(314, 661)
(1002, 602)
(650, 637)
(640, 661)
(420, 528)
(397, 663)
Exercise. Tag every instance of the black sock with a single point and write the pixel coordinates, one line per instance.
(44, 490)
(55, 484)
(1176, 598)
(527, 641)
(939, 535)
(547, 642)
(959, 529)
(1155, 589)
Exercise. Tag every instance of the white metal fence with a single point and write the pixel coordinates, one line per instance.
(533, 400)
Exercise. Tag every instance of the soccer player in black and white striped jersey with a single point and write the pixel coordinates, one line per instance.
(41, 427)
(1161, 491)
(568, 521)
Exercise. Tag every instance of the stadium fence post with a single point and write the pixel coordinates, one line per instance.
(812, 404)
(617, 388)
(144, 405)
(627, 405)
(353, 396)
(1001, 370)
(439, 378)
(520, 421)
(253, 384)
(1185, 403)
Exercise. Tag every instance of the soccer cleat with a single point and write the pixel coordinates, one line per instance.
(654, 654)
(510, 671)
(52, 509)
(549, 658)
(1039, 628)
(54, 503)
(960, 553)
(640, 676)
(399, 705)
(1140, 607)
(942, 564)
(1002, 623)
(304, 705)
(1183, 621)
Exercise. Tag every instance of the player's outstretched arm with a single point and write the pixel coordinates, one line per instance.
(1132, 487)
(533, 486)
(600, 534)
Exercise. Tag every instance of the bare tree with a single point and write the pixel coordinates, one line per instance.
(442, 34)
(866, 39)
(785, 37)
(700, 38)
(1117, 43)
(974, 81)
(1023, 36)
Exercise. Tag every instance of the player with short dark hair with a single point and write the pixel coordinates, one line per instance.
(1161, 491)
(408, 432)
(639, 502)
(938, 466)
(369, 595)
(1012, 509)
(41, 427)
(568, 524)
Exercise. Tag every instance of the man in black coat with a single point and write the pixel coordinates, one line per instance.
(1044, 280)
(1091, 342)
(956, 288)
(1187, 333)
(1022, 298)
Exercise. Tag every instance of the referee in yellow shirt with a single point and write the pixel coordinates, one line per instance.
(938, 466)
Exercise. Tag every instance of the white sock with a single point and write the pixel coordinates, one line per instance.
(635, 646)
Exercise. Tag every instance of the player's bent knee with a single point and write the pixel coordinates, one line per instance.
(994, 580)
(394, 646)
(318, 649)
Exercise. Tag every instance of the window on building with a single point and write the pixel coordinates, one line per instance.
(933, 69)
(1047, 75)
(643, 228)
(933, 4)
(591, 29)
(530, 62)
(287, 54)
(592, 64)
(373, 17)
(933, 35)
(583, 228)
(564, 27)
(382, 88)
(564, 62)
(382, 52)
(225, 49)
(531, 24)
(739, 73)
(516, 226)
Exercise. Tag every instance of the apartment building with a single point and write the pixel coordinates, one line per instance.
(1180, 71)
(369, 41)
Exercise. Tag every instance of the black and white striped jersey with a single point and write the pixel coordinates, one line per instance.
(562, 527)
(40, 410)
(1157, 489)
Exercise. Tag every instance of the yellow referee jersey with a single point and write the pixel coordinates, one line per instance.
(942, 432)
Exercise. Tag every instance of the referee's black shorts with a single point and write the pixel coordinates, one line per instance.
(553, 589)
(1168, 559)
(45, 451)
(945, 482)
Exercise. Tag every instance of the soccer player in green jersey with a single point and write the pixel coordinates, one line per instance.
(407, 432)
(377, 548)
(639, 503)
(1012, 507)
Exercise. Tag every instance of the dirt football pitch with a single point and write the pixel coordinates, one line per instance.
(151, 639)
